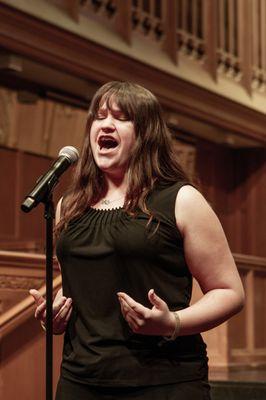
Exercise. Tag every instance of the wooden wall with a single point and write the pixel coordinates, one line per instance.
(22, 350)
(23, 362)
(37, 125)
(239, 343)
(18, 173)
(233, 181)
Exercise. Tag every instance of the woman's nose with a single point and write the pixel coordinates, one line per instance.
(108, 125)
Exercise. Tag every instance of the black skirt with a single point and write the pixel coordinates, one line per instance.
(193, 390)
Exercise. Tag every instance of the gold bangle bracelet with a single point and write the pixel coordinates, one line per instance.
(177, 328)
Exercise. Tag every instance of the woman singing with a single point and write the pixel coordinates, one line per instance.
(131, 234)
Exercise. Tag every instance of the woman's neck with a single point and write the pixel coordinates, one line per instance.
(114, 197)
(116, 185)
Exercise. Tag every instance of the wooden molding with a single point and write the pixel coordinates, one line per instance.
(123, 20)
(222, 356)
(244, 42)
(19, 282)
(210, 35)
(73, 9)
(20, 259)
(82, 58)
(19, 272)
(250, 262)
(22, 311)
(170, 26)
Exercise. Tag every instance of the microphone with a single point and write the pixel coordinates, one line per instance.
(67, 155)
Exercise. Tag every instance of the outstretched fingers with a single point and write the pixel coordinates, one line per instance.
(132, 323)
(129, 303)
(134, 313)
(144, 320)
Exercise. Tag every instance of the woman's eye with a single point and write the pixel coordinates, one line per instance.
(122, 118)
(119, 117)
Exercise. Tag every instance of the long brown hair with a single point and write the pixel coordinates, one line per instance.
(152, 158)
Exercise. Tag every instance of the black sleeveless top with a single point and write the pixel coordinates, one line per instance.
(103, 252)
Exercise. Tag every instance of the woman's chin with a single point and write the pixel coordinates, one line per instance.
(112, 169)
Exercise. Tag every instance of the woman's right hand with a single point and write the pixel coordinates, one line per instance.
(62, 308)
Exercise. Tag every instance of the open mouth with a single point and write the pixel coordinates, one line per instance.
(107, 142)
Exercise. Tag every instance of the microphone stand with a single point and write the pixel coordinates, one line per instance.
(42, 192)
(49, 216)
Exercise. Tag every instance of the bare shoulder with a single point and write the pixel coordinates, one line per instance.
(206, 249)
(190, 195)
(191, 209)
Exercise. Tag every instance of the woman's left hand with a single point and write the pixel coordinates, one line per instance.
(158, 320)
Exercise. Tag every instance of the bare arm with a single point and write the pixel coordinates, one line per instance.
(211, 263)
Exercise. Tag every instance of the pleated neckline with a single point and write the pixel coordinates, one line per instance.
(106, 210)
(104, 216)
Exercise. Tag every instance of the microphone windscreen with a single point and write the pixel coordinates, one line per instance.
(70, 152)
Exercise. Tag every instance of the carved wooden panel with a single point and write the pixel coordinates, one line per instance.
(39, 126)
(19, 272)
(7, 116)
(63, 50)
(240, 341)
(259, 310)
(148, 19)
(186, 155)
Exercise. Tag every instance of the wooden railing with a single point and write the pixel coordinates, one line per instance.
(22, 339)
(22, 311)
(226, 37)
(258, 44)
(147, 19)
(238, 343)
(247, 330)
(241, 341)
(20, 272)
